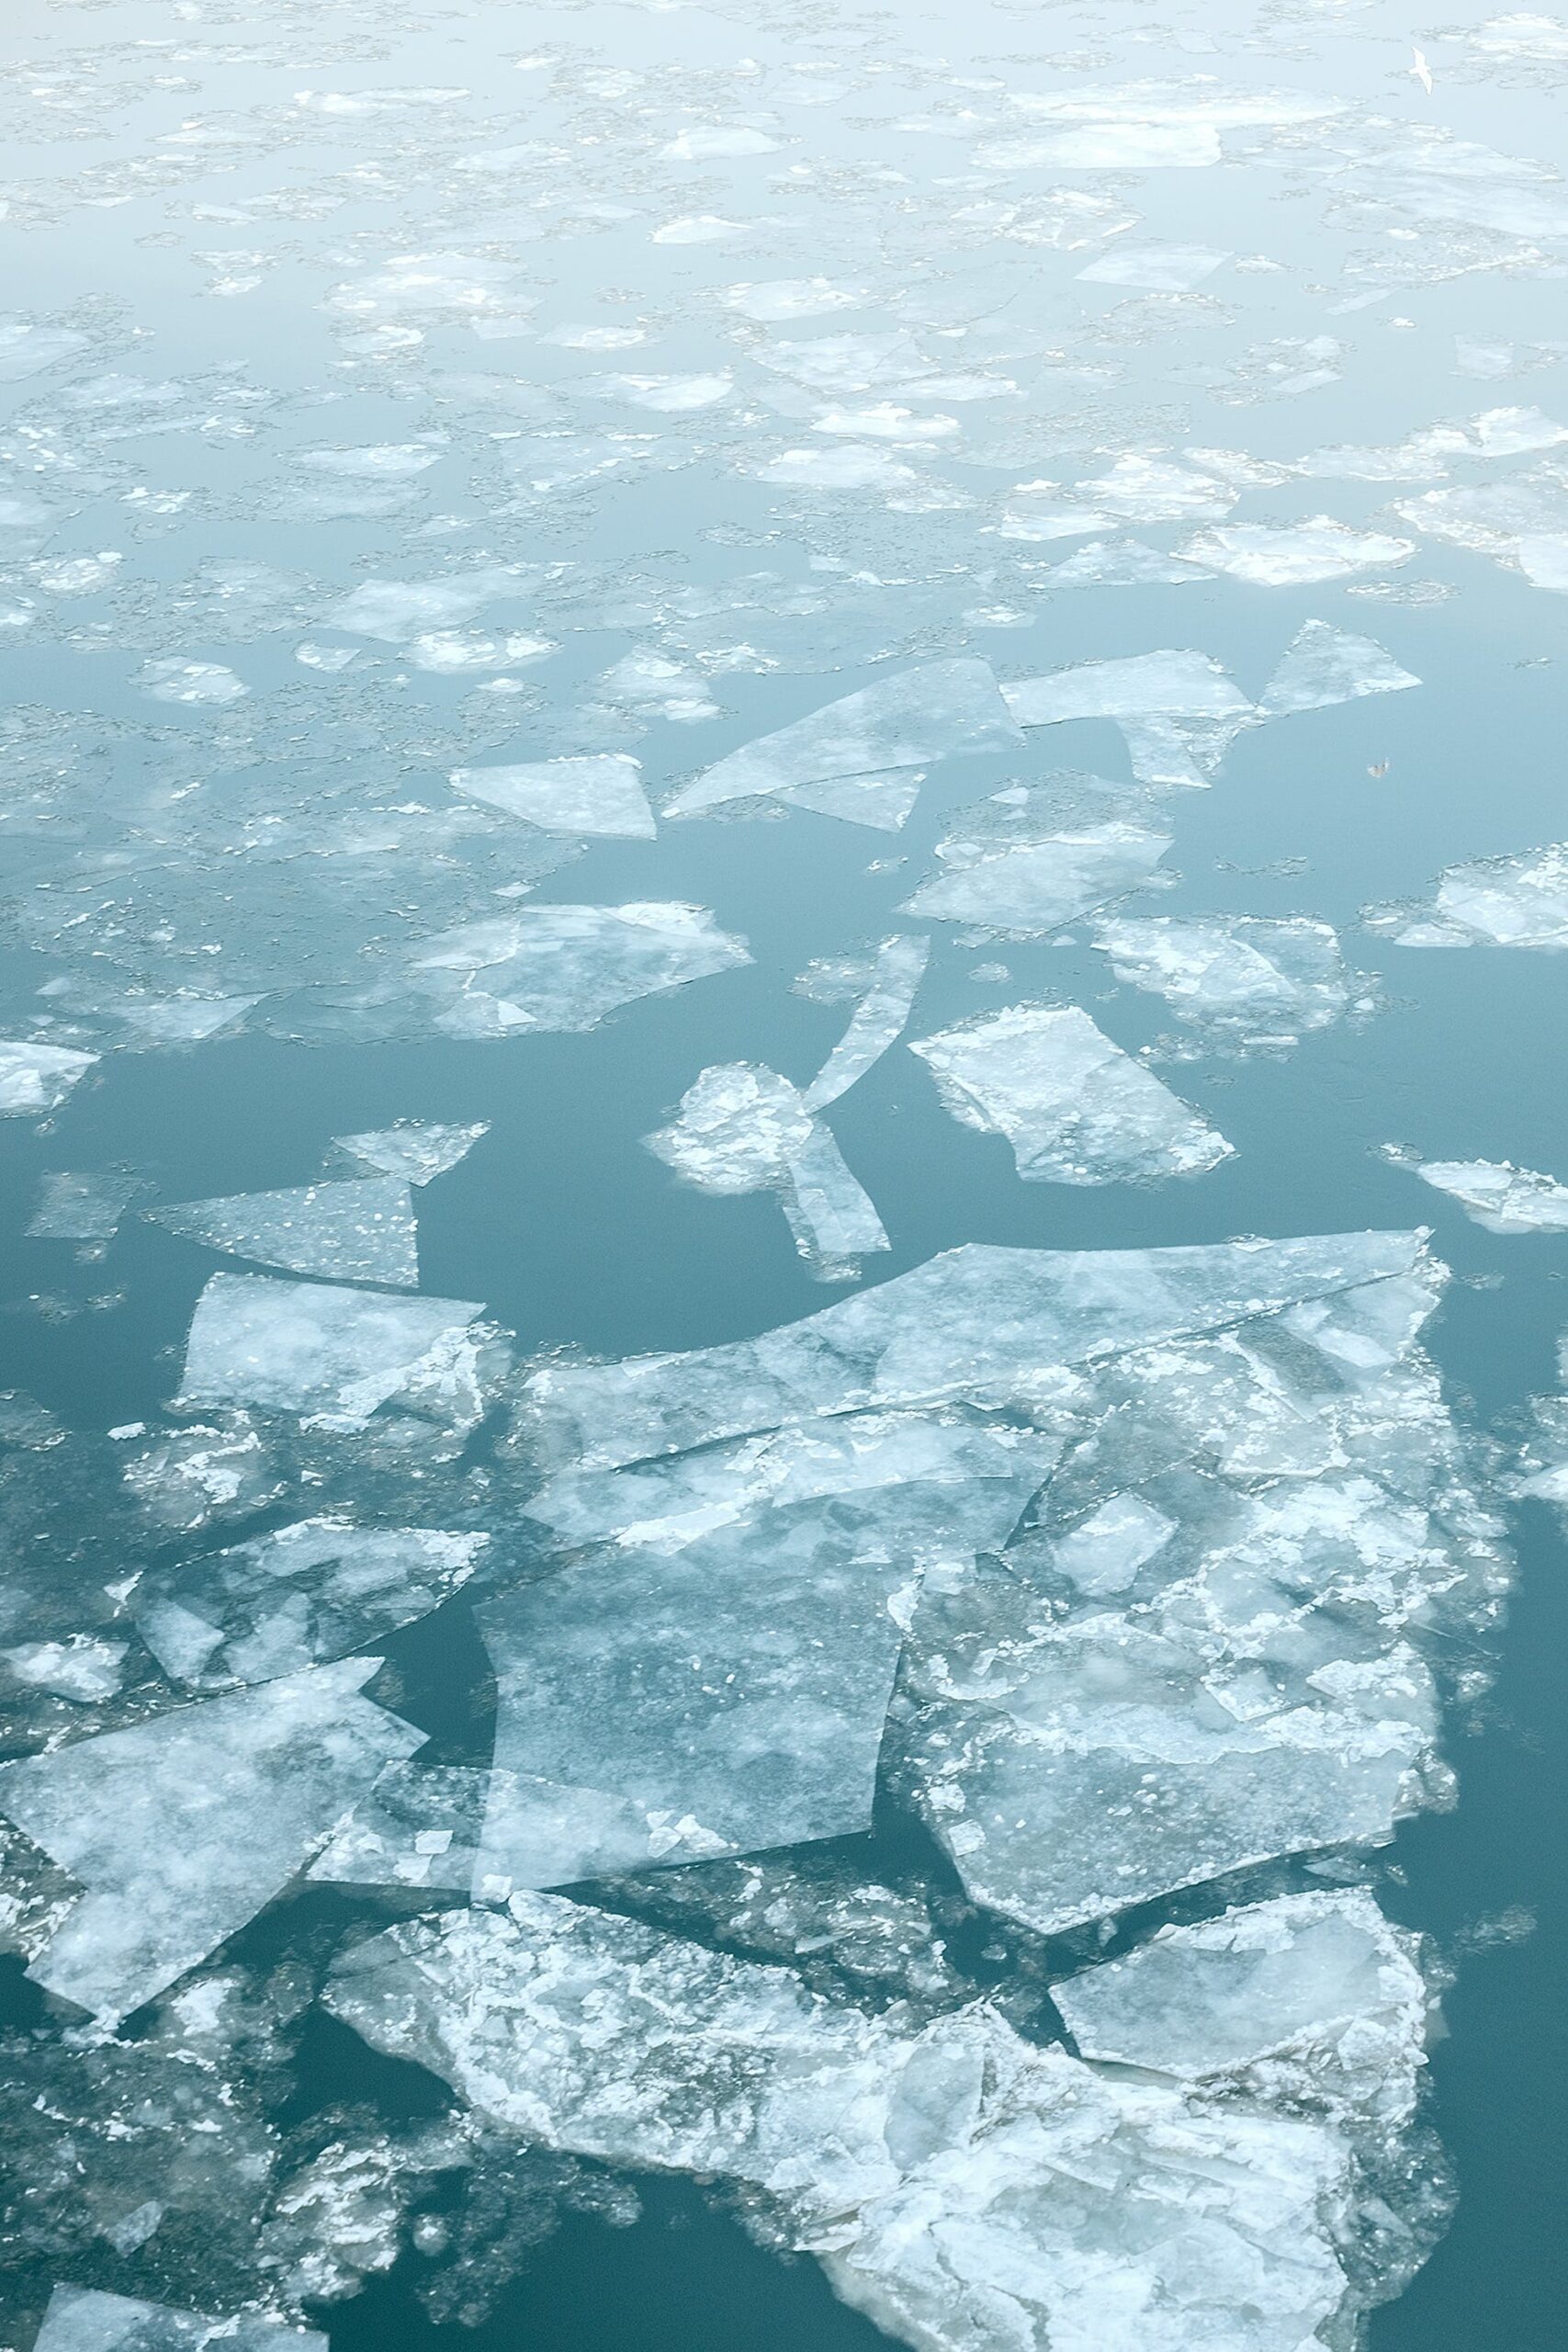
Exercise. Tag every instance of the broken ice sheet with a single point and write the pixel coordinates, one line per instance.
(1520, 901)
(598, 795)
(419, 1827)
(859, 745)
(83, 1207)
(664, 1707)
(1076, 1109)
(1494, 1193)
(1122, 564)
(1327, 665)
(417, 1150)
(1173, 684)
(1160, 269)
(81, 2319)
(1033, 858)
(1311, 2000)
(359, 1230)
(877, 1022)
(182, 1828)
(302, 1595)
(566, 966)
(34, 1078)
(1294, 555)
(1251, 980)
(338, 1355)
(935, 2170)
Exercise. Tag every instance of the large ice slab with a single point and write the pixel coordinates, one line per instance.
(941, 710)
(1520, 901)
(1495, 1194)
(338, 1355)
(1325, 665)
(1174, 684)
(1251, 980)
(597, 795)
(1076, 1109)
(84, 1205)
(182, 1828)
(419, 1827)
(1309, 1998)
(566, 966)
(1032, 859)
(960, 2186)
(359, 1230)
(300, 1596)
(81, 2319)
(660, 1707)
(35, 1078)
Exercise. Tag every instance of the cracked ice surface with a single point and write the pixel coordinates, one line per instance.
(1076, 1109)
(959, 2186)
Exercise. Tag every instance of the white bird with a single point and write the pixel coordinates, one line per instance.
(1422, 71)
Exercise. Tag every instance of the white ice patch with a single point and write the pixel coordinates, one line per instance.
(1251, 978)
(357, 1230)
(35, 1078)
(597, 795)
(1496, 1195)
(1327, 665)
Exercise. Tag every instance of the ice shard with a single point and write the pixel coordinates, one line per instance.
(83, 1206)
(596, 796)
(942, 710)
(1076, 1109)
(831, 1215)
(418, 1826)
(1325, 665)
(877, 1022)
(1296, 555)
(566, 967)
(34, 1078)
(357, 1230)
(1172, 685)
(182, 1828)
(339, 1355)
(417, 1150)
(1495, 1194)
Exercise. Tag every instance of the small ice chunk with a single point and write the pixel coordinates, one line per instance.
(28, 347)
(181, 1828)
(717, 142)
(1521, 901)
(1076, 1109)
(739, 1126)
(1187, 752)
(190, 682)
(599, 795)
(1025, 864)
(1496, 1195)
(1103, 1553)
(1259, 980)
(1309, 1998)
(830, 1214)
(1176, 685)
(877, 1022)
(941, 710)
(1122, 564)
(419, 1827)
(1543, 560)
(338, 1355)
(416, 1150)
(75, 1208)
(82, 1669)
(1327, 665)
(395, 611)
(1154, 269)
(300, 1596)
(361, 1230)
(1296, 555)
(778, 299)
(81, 2319)
(38, 1077)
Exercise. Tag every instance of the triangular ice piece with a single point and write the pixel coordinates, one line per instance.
(1325, 665)
(416, 1149)
(359, 1231)
(596, 794)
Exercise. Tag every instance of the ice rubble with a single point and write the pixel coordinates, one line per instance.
(1325, 665)
(1311, 2000)
(1252, 979)
(1076, 1109)
(338, 1355)
(357, 1230)
(302, 1595)
(1521, 901)
(417, 1150)
(960, 2185)
(38, 1077)
(856, 758)
(180, 1829)
(1033, 858)
(81, 2319)
(1495, 1194)
(600, 796)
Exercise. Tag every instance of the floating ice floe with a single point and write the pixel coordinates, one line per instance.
(566, 967)
(83, 1207)
(1154, 270)
(1325, 665)
(38, 1077)
(1309, 1999)
(337, 1355)
(742, 1128)
(599, 796)
(1493, 1192)
(1122, 564)
(181, 1829)
(1137, 490)
(1167, 685)
(856, 757)
(1253, 979)
(300, 1596)
(1076, 1109)
(1031, 859)
(419, 1827)
(359, 1230)
(190, 682)
(81, 2319)
(1296, 555)
(940, 2172)
(878, 1020)
(1521, 901)
(417, 1150)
